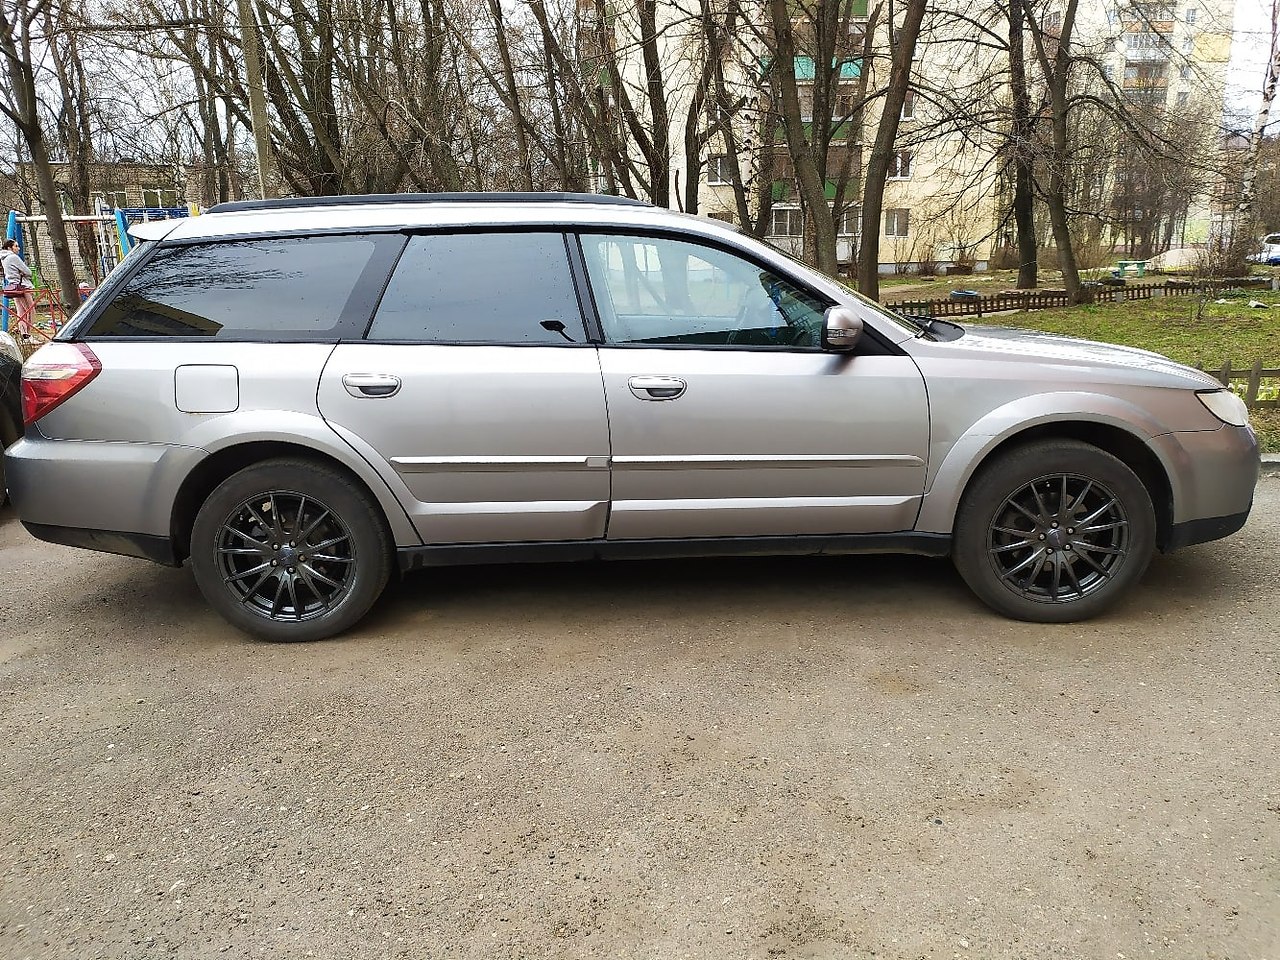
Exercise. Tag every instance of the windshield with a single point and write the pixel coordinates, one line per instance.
(879, 310)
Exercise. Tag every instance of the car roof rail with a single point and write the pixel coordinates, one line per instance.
(355, 200)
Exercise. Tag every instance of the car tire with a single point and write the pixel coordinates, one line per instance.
(290, 550)
(1054, 531)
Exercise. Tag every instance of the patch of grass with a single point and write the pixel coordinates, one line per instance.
(1266, 424)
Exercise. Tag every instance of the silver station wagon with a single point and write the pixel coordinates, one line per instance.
(300, 396)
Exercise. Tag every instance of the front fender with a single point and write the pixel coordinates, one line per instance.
(958, 460)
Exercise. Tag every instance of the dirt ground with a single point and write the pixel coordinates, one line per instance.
(765, 758)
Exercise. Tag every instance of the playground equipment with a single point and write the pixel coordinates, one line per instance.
(111, 230)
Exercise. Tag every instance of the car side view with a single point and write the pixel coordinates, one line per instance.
(301, 396)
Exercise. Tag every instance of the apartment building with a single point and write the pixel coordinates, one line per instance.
(1163, 61)
(1167, 60)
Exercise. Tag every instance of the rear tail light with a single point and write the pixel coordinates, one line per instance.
(55, 373)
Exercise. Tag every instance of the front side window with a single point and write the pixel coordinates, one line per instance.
(654, 290)
(507, 288)
(296, 288)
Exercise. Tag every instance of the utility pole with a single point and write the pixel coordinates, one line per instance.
(257, 95)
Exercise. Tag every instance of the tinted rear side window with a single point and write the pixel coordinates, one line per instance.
(298, 288)
(481, 288)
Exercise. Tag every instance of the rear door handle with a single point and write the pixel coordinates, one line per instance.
(657, 388)
(365, 386)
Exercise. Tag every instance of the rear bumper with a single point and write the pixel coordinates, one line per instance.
(157, 549)
(103, 490)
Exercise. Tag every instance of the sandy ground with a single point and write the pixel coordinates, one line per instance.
(781, 758)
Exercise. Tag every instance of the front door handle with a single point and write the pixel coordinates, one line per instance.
(365, 386)
(657, 388)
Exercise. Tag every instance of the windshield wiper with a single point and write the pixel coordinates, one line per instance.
(923, 324)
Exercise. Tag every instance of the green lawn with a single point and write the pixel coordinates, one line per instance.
(1231, 331)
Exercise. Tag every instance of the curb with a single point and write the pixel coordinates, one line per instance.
(1271, 463)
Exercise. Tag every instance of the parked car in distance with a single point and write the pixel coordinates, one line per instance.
(1270, 253)
(298, 396)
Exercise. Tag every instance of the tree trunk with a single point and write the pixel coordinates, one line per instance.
(811, 180)
(513, 96)
(257, 98)
(659, 115)
(904, 48)
(69, 292)
(1023, 157)
(1056, 67)
(23, 110)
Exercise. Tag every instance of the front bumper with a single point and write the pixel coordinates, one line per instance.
(1212, 475)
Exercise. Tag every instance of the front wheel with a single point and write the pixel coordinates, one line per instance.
(1054, 532)
(290, 550)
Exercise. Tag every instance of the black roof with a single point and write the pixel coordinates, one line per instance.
(369, 198)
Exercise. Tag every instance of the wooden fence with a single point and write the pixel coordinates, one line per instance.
(1045, 299)
(1252, 377)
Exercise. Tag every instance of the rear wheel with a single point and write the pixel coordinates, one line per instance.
(1054, 532)
(290, 550)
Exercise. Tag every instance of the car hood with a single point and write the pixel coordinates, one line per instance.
(1016, 344)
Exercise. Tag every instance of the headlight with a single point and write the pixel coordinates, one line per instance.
(1226, 406)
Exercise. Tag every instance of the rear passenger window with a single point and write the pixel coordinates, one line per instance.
(510, 288)
(299, 288)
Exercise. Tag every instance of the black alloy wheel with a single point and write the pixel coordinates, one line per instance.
(291, 550)
(1058, 538)
(287, 556)
(1054, 531)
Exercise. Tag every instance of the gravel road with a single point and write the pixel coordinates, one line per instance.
(764, 758)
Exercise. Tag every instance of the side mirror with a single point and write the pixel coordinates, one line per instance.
(841, 329)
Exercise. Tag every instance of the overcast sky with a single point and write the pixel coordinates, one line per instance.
(1249, 50)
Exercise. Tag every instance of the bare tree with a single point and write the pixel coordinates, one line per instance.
(19, 33)
(903, 47)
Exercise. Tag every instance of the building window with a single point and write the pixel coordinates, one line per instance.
(1188, 45)
(113, 199)
(909, 105)
(1182, 98)
(900, 165)
(849, 221)
(1109, 71)
(718, 171)
(1131, 73)
(158, 197)
(786, 222)
(1192, 13)
(897, 222)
